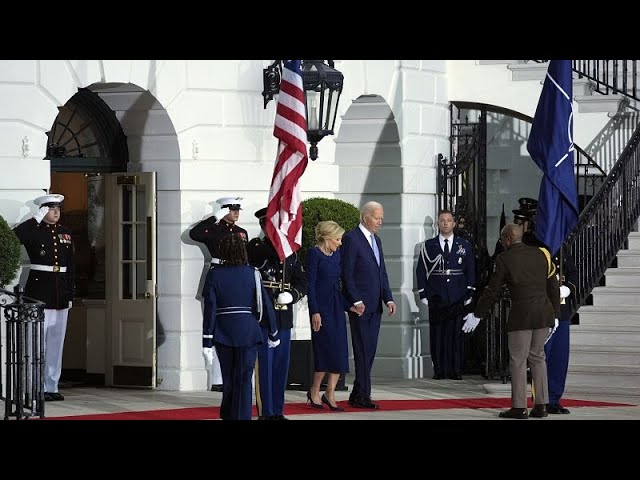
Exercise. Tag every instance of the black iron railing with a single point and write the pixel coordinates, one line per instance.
(23, 391)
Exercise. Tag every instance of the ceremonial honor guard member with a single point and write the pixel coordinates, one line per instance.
(286, 283)
(235, 304)
(51, 250)
(211, 231)
(446, 277)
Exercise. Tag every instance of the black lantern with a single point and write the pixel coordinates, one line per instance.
(322, 86)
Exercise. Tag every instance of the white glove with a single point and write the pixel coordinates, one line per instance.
(564, 291)
(470, 324)
(284, 298)
(70, 303)
(554, 328)
(273, 343)
(220, 214)
(208, 355)
(425, 301)
(40, 214)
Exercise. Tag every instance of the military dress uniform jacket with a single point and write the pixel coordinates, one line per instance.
(263, 256)
(50, 247)
(446, 280)
(532, 283)
(231, 310)
(210, 232)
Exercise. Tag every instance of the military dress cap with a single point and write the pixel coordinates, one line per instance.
(233, 203)
(261, 213)
(523, 215)
(528, 203)
(52, 200)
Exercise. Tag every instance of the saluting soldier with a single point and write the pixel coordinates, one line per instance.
(211, 231)
(446, 282)
(51, 250)
(273, 363)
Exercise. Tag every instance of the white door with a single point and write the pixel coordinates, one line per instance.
(131, 286)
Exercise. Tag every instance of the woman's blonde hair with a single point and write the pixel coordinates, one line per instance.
(327, 230)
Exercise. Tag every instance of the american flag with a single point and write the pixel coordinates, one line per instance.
(284, 210)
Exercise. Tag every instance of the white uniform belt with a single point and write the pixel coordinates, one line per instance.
(448, 272)
(49, 268)
(216, 261)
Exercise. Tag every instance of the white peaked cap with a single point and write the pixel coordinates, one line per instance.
(49, 200)
(231, 202)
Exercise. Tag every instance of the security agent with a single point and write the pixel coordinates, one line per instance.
(273, 363)
(211, 231)
(51, 280)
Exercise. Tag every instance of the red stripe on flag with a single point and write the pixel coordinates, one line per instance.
(284, 209)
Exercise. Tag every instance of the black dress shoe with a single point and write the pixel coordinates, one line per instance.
(53, 397)
(455, 377)
(216, 388)
(538, 411)
(365, 402)
(520, 413)
(437, 376)
(556, 408)
(279, 417)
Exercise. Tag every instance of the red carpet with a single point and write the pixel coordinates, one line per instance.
(212, 413)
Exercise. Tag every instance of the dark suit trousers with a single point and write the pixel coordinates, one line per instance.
(364, 341)
(236, 364)
(445, 338)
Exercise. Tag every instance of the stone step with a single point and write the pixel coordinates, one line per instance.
(605, 335)
(605, 376)
(600, 103)
(614, 355)
(629, 258)
(615, 315)
(607, 296)
(603, 393)
(622, 277)
(634, 241)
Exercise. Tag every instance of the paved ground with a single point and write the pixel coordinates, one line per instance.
(91, 400)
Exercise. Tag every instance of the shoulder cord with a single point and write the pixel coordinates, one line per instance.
(435, 261)
(551, 267)
(258, 277)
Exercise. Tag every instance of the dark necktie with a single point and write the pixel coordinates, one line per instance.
(446, 247)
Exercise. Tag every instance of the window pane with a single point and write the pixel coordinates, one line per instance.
(141, 279)
(127, 242)
(127, 205)
(127, 281)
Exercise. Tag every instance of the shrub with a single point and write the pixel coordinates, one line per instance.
(316, 210)
(9, 253)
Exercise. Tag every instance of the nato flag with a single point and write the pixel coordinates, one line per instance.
(551, 146)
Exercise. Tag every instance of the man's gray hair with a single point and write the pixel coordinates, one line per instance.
(368, 208)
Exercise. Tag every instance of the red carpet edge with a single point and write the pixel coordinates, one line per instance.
(213, 413)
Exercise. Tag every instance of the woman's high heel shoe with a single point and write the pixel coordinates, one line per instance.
(312, 403)
(331, 407)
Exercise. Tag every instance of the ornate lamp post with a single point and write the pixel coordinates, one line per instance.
(322, 86)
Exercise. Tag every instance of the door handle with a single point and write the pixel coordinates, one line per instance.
(147, 295)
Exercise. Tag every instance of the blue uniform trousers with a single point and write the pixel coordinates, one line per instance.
(557, 353)
(364, 341)
(445, 338)
(237, 364)
(273, 371)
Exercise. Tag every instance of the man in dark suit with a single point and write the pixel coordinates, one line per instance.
(530, 275)
(366, 287)
(446, 277)
(286, 283)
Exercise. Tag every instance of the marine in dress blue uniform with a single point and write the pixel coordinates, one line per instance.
(273, 363)
(447, 283)
(211, 231)
(51, 280)
(234, 303)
